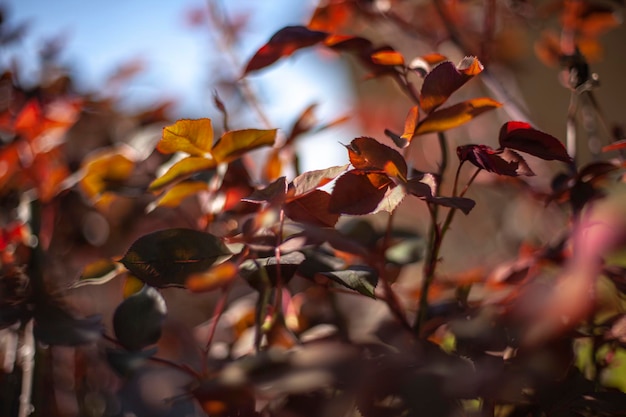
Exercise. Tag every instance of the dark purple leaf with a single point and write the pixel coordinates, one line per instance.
(522, 137)
(499, 161)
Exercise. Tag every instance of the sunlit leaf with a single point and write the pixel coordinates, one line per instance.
(181, 170)
(167, 257)
(368, 154)
(105, 172)
(455, 115)
(445, 79)
(311, 180)
(390, 58)
(284, 43)
(392, 198)
(9, 164)
(273, 166)
(235, 143)
(179, 192)
(499, 161)
(194, 137)
(410, 124)
(312, 208)
(98, 273)
(216, 277)
(354, 193)
(331, 16)
(362, 279)
(137, 320)
(522, 137)
(615, 146)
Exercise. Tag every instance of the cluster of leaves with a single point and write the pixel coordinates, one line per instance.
(294, 248)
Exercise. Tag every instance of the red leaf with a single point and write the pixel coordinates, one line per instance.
(522, 137)
(445, 79)
(499, 161)
(368, 154)
(358, 193)
(284, 43)
(615, 146)
(312, 208)
(274, 192)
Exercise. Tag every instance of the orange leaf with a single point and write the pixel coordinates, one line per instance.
(312, 208)
(390, 58)
(368, 154)
(216, 277)
(273, 166)
(434, 58)
(182, 169)
(194, 137)
(455, 115)
(330, 16)
(615, 146)
(175, 195)
(445, 79)
(410, 124)
(235, 143)
(103, 172)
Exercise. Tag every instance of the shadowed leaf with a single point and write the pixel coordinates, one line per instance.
(264, 271)
(522, 137)
(181, 170)
(194, 137)
(274, 192)
(167, 257)
(354, 193)
(235, 143)
(425, 192)
(284, 43)
(455, 115)
(137, 320)
(445, 79)
(312, 208)
(500, 161)
(362, 279)
(368, 154)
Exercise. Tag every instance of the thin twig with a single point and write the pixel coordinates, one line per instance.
(26, 355)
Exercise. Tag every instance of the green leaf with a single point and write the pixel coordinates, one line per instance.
(137, 320)
(167, 257)
(362, 279)
(235, 143)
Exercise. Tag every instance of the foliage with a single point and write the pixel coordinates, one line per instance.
(321, 293)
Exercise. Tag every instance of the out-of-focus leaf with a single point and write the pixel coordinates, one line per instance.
(445, 79)
(362, 279)
(500, 161)
(55, 326)
(392, 198)
(126, 363)
(354, 193)
(104, 172)
(389, 58)
(407, 250)
(331, 16)
(522, 137)
(181, 170)
(367, 154)
(166, 258)
(194, 137)
(615, 146)
(348, 43)
(425, 192)
(137, 320)
(305, 122)
(10, 157)
(284, 43)
(273, 166)
(455, 115)
(312, 208)
(175, 195)
(216, 277)
(235, 143)
(98, 273)
(274, 192)
(311, 180)
(260, 273)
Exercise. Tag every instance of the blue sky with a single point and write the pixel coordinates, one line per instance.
(102, 34)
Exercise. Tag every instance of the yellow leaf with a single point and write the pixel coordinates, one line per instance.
(132, 285)
(182, 169)
(103, 172)
(455, 115)
(235, 143)
(194, 137)
(175, 195)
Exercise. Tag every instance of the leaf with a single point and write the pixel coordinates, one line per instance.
(455, 115)
(425, 192)
(273, 166)
(194, 137)
(312, 208)
(388, 58)
(175, 195)
(354, 193)
(501, 161)
(166, 258)
(182, 169)
(261, 272)
(392, 198)
(362, 279)
(410, 124)
(137, 320)
(104, 172)
(330, 16)
(284, 43)
(522, 137)
(216, 277)
(305, 122)
(98, 273)
(615, 146)
(367, 154)
(235, 143)
(445, 79)
(274, 192)
(311, 180)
